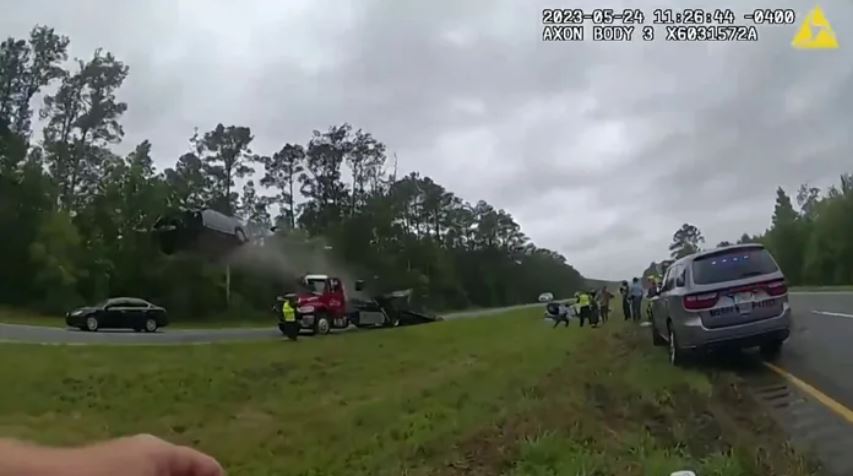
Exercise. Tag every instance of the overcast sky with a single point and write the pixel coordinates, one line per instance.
(599, 150)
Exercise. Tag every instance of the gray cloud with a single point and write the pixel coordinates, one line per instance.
(600, 151)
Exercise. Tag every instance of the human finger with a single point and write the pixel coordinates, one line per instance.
(186, 461)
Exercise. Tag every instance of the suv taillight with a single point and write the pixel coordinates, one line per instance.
(776, 288)
(695, 302)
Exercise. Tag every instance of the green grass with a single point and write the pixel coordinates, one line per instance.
(30, 318)
(839, 288)
(503, 395)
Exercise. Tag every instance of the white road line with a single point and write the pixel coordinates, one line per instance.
(834, 314)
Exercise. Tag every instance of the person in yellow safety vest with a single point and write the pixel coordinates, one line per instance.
(584, 303)
(288, 310)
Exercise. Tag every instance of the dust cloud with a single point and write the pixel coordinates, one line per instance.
(286, 259)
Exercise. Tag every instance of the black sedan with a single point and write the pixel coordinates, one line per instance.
(119, 313)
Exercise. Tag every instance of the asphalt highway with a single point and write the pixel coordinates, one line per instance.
(820, 349)
(57, 335)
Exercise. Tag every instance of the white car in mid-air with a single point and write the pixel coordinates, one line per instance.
(546, 297)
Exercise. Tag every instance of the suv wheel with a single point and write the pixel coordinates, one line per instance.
(657, 340)
(771, 350)
(322, 326)
(676, 353)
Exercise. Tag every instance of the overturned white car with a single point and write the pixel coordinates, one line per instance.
(546, 297)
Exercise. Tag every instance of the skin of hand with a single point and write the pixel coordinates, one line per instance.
(140, 455)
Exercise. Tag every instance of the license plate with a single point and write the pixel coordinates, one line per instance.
(741, 298)
(743, 302)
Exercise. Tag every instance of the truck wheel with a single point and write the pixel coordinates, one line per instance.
(322, 326)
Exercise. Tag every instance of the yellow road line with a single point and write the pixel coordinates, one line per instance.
(821, 397)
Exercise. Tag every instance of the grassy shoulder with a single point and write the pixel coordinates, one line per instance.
(504, 395)
(29, 318)
(822, 288)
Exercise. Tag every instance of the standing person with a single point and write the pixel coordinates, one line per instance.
(626, 304)
(604, 297)
(636, 293)
(288, 310)
(593, 308)
(584, 307)
(653, 286)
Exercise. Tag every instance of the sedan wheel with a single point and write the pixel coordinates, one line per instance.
(150, 325)
(91, 323)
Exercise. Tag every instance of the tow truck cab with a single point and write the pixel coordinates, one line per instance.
(321, 303)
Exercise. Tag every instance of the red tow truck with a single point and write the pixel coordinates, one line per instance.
(322, 304)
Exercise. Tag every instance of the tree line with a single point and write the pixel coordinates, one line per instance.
(811, 242)
(73, 211)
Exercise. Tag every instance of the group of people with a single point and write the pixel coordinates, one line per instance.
(632, 299)
(589, 306)
(594, 306)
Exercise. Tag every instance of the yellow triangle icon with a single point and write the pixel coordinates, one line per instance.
(815, 33)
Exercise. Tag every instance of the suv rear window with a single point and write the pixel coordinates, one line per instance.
(733, 265)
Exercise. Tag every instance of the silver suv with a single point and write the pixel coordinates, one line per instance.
(735, 296)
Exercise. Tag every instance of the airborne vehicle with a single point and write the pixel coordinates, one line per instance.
(207, 231)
